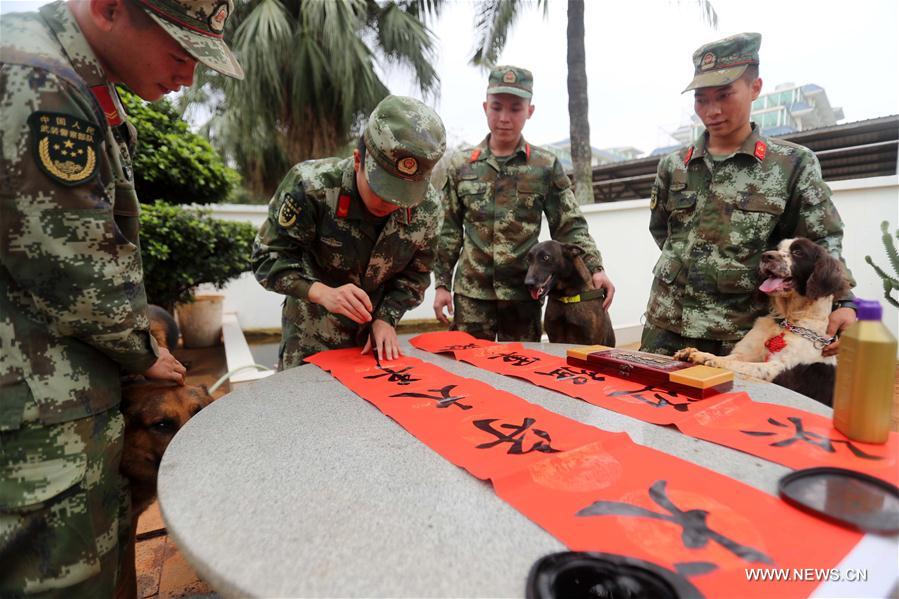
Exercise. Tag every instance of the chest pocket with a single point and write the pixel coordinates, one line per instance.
(475, 197)
(529, 207)
(681, 209)
(339, 251)
(754, 218)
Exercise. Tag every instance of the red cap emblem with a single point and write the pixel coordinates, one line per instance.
(760, 150)
(407, 166)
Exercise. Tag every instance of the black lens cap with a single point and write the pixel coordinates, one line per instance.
(588, 575)
(846, 497)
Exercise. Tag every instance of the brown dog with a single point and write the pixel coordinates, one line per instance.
(154, 411)
(801, 279)
(574, 312)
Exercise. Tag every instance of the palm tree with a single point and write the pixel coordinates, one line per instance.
(493, 21)
(310, 78)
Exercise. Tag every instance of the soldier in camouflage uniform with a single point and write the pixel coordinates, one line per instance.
(350, 241)
(495, 197)
(72, 303)
(718, 204)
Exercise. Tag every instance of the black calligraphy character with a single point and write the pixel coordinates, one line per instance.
(514, 358)
(516, 438)
(661, 403)
(695, 534)
(395, 376)
(450, 348)
(444, 400)
(577, 376)
(815, 439)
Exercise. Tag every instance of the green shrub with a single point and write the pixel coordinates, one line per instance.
(171, 162)
(183, 247)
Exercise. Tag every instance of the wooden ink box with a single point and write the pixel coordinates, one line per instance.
(653, 369)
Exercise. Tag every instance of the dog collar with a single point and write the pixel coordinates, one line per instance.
(586, 296)
(819, 341)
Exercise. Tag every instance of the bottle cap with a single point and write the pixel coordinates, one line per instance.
(868, 309)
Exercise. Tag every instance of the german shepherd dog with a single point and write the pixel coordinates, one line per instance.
(801, 279)
(574, 312)
(154, 411)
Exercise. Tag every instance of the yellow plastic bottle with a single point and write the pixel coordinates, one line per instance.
(866, 366)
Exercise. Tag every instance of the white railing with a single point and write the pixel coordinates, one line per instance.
(629, 253)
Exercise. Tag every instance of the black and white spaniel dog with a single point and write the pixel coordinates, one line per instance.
(801, 279)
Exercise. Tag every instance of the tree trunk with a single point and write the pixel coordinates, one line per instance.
(577, 104)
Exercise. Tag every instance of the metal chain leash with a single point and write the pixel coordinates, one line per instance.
(819, 341)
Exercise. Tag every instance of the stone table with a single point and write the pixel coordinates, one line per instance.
(295, 486)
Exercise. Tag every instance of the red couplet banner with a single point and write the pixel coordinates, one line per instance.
(595, 490)
(788, 436)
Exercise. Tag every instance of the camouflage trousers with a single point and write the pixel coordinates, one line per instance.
(308, 328)
(497, 319)
(64, 508)
(660, 341)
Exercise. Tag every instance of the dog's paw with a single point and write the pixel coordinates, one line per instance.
(684, 354)
(691, 354)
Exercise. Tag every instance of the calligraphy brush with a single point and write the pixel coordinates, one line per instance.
(374, 346)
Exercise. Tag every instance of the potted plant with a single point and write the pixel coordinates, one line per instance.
(183, 247)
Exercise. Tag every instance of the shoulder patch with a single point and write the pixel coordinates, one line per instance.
(289, 212)
(654, 197)
(65, 147)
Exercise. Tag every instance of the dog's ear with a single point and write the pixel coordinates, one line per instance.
(828, 278)
(572, 250)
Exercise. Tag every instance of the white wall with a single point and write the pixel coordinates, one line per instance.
(629, 253)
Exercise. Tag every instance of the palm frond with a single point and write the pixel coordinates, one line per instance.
(707, 12)
(405, 39)
(492, 25)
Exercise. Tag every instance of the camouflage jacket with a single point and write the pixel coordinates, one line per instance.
(493, 214)
(72, 302)
(714, 218)
(318, 229)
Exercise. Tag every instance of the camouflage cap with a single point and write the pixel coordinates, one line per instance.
(197, 25)
(511, 80)
(404, 139)
(724, 61)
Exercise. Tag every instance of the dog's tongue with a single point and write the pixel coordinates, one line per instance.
(535, 293)
(771, 284)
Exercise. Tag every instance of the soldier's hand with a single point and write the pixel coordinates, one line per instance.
(839, 320)
(388, 345)
(602, 281)
(348, 300)
(166, 368)
(443, 299)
